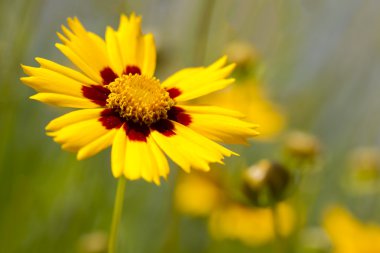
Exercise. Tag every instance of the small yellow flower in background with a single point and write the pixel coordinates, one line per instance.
(242, 53)
(123, 105)
(250, 98)
(204, 195)
(348, 234)
(197, 195)
(252, 226)
(248, 95)
(95, 242)
(302, 145)
(363, 175)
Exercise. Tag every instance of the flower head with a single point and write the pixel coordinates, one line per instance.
(122, 104)
(252, 99)
(252, 226)
(350, 235)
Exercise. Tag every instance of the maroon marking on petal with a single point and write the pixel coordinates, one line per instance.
(108, 75)
(174, 92)
(164, 127)
(178, 114)
(131, 69)
(110, 119)
(136, 132)
(96, 93)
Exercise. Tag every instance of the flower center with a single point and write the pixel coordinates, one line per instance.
(139, 98)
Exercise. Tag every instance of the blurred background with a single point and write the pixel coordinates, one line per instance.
(308, 72)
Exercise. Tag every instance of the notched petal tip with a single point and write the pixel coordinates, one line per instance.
(39, 60)
(27, 69)
(157, 181)
(35, 97)
(81, 155)
(50, 133)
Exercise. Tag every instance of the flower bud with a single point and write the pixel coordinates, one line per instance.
(302, 146)
(95, 242)
(365, 162)
(266, 183)
(314, 240)
(242, 53)
(364, 170)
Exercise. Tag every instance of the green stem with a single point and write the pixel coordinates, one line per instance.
(203, 31)
(276, 229)
(117, 210)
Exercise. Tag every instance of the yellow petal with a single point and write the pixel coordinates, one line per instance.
(189, 149)
(118, 153)
(75, 136)
(197, 82)
(147, 56)
(114, 51)
(80, 63)
(129, 33)
(64, 100)
(213, 149)
(75, 75)
(97, 145)
(138, 162)
(212, 110)
(88, 48)
(161, 161)
(73, 117)
(222, 128)
(187, 157)
(206, 89)
(172, 80)
(45, 80)
(167, 144)
(135, 49)
(218, 63)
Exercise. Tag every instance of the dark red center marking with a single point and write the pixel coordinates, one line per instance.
(108, 75)
(164, 127)
(136, 131)
(178, 114)
(174, 92)
(96, 93)
(110, 119)
(131, 69)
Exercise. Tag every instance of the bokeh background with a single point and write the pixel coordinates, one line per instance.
(317, 62)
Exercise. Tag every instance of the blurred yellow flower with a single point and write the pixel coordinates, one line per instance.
(242, 53)
(197, 195)
(122, 104)
(250, 98)
(350, 235)
(252, 226)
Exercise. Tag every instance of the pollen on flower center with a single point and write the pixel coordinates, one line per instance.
(139, 98)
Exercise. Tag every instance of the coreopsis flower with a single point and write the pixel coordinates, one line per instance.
(122, 104)
(249, 96)
(198, 195)
(252, 226)
(350, 235)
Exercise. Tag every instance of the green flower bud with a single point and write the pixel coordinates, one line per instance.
(266, 183)
(302, 146)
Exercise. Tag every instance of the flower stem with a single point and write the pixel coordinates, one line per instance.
(276, 229)
(117, 210)
(203, 31)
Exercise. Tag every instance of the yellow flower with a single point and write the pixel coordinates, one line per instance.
(348, 234)
(197, 195)
(253, 226)
(123, 105)
(250, 97)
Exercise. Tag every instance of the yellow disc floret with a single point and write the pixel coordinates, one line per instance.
(139, 98)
